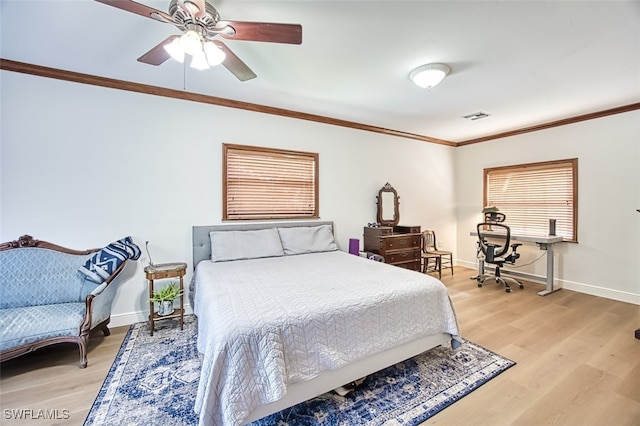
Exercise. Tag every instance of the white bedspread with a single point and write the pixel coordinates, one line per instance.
(267, 323)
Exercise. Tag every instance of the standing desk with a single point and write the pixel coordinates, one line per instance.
(544, 242)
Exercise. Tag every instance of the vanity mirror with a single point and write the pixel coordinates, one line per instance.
(388, 206)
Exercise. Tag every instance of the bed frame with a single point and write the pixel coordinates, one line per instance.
(328, 380)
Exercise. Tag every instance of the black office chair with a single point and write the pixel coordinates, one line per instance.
(494, 240)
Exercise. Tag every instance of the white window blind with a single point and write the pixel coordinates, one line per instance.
(265, 183)
(531, 194)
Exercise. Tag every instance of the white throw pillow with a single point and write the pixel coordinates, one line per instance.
(238, 245)
(307, 239)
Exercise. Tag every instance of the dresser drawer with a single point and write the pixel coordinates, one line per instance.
(400, 242)
(406, 229)
(378, 231)
(402, 256)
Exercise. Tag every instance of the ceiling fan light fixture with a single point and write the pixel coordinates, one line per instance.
(215, 55)
(191, 43)
(175, 50)
(199, 61)
(427, 76)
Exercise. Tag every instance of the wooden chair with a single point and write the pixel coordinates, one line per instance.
(441, 258)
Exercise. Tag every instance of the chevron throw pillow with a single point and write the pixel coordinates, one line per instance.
(102, 264)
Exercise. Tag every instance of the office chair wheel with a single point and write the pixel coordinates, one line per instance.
(508, 290)
(479, 284)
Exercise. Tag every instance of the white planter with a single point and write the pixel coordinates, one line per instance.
(165, 307)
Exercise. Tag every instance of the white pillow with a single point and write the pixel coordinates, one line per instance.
(307, 239)
(237, 245)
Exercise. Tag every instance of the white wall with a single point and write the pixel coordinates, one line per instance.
(84, 165)
(606, 259)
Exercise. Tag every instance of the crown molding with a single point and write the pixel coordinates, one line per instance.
(55, 73)
(557, 123)
(41, 71)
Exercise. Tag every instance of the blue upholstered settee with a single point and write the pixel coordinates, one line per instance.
(50, 294)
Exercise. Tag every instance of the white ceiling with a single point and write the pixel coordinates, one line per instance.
(523, 62)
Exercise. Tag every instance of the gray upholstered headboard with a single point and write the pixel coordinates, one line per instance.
(202, 243)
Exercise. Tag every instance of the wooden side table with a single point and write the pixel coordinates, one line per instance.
(163, 271)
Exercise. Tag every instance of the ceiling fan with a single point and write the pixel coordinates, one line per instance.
(200, 23)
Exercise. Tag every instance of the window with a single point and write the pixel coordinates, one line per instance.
(531, 194)
(266, 183)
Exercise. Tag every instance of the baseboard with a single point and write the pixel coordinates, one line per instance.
(118, 320)
(607, 293)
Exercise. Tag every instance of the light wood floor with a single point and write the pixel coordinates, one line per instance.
(578, 363)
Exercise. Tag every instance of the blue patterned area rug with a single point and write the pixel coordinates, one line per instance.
(154, 381)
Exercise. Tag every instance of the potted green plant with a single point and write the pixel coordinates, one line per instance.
(165, 297)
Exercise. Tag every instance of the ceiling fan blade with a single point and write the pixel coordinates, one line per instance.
(235, 64)
(262, 31)
(139, 9)
(158, 54)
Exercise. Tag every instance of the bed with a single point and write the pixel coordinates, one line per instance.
(284, 316)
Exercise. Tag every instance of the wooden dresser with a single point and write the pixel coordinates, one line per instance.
(399, 245)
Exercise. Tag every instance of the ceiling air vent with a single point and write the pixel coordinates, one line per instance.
(476, 116)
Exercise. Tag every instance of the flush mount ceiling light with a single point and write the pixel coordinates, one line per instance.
(427, 76)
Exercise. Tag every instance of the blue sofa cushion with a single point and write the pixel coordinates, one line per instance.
(103, 264)
(28, 324)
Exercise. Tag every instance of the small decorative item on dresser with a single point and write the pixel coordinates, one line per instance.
(354, 246)
(162, 271)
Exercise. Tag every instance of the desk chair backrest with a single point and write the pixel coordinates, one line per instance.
(494, 240)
